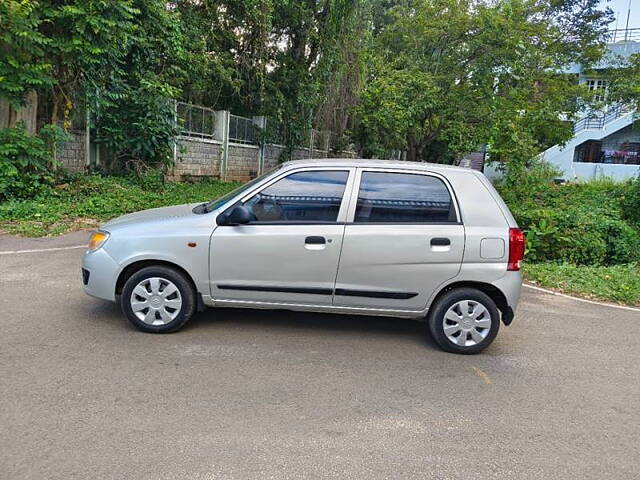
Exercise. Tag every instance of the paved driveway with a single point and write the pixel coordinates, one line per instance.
(250, 394)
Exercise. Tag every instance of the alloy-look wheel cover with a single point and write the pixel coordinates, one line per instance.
(467, 323)
(156, 301)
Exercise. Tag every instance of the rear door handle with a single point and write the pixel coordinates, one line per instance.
(440, 242)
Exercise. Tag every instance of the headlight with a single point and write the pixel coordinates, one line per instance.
(97, 240)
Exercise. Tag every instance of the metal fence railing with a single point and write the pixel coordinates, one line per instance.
(623, 35)
(242, 130)
(202, 122)
(196, 121)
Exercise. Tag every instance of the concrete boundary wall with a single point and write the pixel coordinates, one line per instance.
(73, 154)
(208, 156)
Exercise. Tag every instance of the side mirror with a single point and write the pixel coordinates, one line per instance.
(238, 215)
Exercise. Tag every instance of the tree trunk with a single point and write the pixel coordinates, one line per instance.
(29, 113)
(5, 113)
(10, 117)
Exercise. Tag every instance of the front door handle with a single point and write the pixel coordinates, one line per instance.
(315, 243)
(315, 240)
(440, 242)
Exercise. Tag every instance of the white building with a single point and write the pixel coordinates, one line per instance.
(606, 143)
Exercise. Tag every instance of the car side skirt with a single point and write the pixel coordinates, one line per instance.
(210, 302)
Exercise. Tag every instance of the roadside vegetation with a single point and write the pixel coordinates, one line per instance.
(582, 238)
(617, 283)
(85, 201)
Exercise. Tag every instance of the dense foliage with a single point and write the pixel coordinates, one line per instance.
(284, 59)
(591, 223)
(134, 109)
(23, 64)
(624, 83)
(123, 59)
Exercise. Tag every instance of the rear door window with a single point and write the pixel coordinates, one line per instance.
(390, 197)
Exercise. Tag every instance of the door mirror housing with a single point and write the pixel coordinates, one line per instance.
(238, 215)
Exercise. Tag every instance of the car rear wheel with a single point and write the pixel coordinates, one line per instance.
(464, 320)
(158, 299)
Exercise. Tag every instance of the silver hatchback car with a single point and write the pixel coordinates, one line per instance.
(345, 236)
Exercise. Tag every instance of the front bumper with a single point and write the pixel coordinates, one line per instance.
(102, 274)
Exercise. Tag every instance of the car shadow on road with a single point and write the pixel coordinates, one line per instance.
(292, 322)
(286, 321)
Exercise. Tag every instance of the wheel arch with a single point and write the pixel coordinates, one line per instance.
(491, 290)
(136, 266)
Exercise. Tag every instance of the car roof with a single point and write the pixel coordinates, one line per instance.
(364, 163)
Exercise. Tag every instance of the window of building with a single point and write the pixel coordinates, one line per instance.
(312, 196)
(599, 89)
(594, 151)
(403, 198)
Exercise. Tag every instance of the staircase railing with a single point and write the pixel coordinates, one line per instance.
(593, 122)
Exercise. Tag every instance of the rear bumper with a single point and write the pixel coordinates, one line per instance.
(510, 285)
(101, 274)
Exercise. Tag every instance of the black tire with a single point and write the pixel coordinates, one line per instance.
(438, 310)
(187, 295)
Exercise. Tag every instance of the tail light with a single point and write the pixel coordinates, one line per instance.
(516, 249)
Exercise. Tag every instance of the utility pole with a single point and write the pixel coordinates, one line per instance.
(626, 31)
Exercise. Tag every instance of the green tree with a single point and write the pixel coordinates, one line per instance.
(86, 41)
(134, 110)
(125, 60)
(23, 63)
(450, 75)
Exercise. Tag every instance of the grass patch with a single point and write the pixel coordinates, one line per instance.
(84, 201)
(616, 283)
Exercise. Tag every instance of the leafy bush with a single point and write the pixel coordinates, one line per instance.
(631, 203)
(26, 165)
(525, 183)
(576, 223)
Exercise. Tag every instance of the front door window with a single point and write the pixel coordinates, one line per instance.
(310, 196)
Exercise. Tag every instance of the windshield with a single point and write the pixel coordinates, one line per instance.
(214, 204)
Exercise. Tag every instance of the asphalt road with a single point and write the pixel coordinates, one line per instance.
(251, 394)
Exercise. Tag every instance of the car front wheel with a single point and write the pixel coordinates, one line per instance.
(158, 299)
(464, 320)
